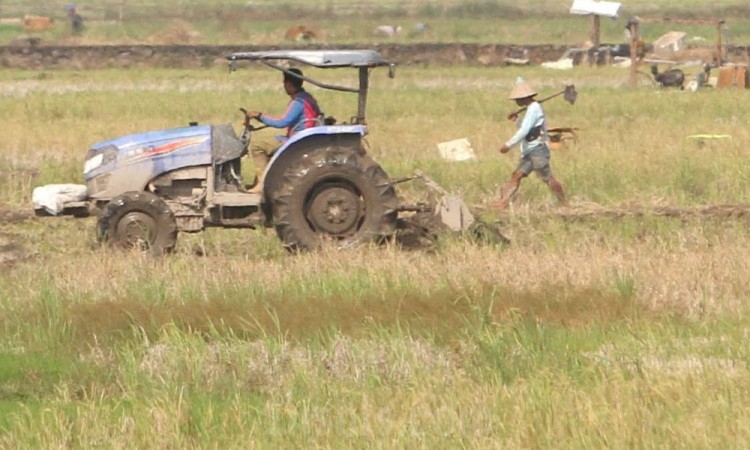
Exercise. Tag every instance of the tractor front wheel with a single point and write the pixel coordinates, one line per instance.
(334, 195)
(138, 220)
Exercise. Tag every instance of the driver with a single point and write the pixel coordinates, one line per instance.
(302, 112)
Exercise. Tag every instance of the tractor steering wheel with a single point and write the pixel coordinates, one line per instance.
(246, 123)
(248, 128)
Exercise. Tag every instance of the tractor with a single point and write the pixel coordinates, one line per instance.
(320, 186)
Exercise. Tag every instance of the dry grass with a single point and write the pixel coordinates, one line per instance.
(265, 23)
(570, 280)
(617, 322)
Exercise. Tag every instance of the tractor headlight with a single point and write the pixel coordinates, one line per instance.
(99, 158)
(93, 163)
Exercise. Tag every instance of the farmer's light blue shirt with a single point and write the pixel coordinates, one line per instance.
(533, 118)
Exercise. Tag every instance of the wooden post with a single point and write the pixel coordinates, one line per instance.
(719, 50)
(121, 15)
(595, 27)
(594, 38)
(633, 28)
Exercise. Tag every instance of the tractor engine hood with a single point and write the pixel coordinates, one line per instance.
(165, 147)
(129, 163)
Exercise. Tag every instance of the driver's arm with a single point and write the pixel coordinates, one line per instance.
(293, 114)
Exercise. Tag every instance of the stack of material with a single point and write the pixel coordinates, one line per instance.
(38, 23)
(669, 44)
(732, 75)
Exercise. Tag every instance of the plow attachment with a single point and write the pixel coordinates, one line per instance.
(443, 212)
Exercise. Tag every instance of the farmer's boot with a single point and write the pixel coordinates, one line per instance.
(260, 160)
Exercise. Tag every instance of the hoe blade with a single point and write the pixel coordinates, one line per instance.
(570, 95)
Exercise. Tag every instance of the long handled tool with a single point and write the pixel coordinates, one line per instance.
(569, 94)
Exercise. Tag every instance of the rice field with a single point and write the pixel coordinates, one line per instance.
(583, 332)
(263, 22)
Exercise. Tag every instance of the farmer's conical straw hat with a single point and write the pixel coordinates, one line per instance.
(521, 90)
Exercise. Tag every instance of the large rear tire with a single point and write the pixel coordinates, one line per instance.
(138, 220)
(334, 195)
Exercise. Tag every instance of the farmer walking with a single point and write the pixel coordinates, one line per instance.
(76, 21)
(533, 136)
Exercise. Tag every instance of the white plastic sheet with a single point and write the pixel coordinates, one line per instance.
(585, 7)
(53, 197)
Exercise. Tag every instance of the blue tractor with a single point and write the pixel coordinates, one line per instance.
(319, 187)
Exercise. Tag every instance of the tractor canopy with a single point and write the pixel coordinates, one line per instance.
(317, 58)
(362, 60)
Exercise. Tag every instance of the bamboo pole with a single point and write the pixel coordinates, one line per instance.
(633, 28)
(719, 45)
(594, 38)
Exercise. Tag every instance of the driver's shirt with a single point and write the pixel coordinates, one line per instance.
(533, 117)
(301, 112)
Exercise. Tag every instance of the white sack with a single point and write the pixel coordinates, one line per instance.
(52, 197)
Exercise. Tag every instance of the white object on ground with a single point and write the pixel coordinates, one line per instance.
(53, 197)
(672, 42)
(621, 61)
(388, 30)
(560, 64)
(457, 150)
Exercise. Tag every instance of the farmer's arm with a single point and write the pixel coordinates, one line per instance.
(292, 116)
(533, 114)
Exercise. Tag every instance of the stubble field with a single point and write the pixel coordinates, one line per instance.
(603, 324)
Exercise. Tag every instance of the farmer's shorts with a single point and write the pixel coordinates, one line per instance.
(536, 160)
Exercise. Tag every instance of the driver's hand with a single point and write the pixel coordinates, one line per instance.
(513, 117)
(504, 149)
(254, 115)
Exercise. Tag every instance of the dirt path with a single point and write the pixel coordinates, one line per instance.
(75, 57)
(11, 247)
(11, 251)
(10, 215)
(593, 212)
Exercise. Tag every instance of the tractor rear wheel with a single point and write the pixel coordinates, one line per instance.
(138, 220)
(334, 195)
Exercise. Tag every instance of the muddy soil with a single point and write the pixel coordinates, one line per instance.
(595, 212)
(12, 250)
(10, 215)
(37, 57)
